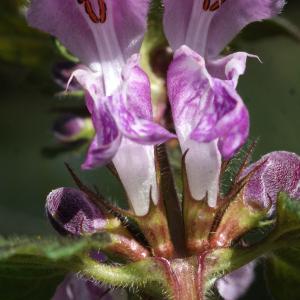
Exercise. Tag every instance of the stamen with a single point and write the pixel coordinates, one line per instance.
(216, 5)
(90, 11)
(102, 11)
(206, 5)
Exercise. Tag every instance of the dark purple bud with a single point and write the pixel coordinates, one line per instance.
(70, 212)
(70, 128)
(236, 284)
(277, 172)
(62, 72)
(74, 288)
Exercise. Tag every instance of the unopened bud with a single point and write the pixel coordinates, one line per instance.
(70, 212)
(71, 128)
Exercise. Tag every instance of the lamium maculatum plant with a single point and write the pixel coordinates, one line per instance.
(155, 78)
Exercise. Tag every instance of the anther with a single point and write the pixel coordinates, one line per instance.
(216, 5)
(90, 10)
(206, 5)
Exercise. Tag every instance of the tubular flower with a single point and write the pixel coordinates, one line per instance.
(210, 118)
(106, 35)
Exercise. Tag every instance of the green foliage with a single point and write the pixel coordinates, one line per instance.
(283, 274)
(20, 44)
(283, 265)
(32, 268)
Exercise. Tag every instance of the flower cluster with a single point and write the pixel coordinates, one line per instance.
(211, 123)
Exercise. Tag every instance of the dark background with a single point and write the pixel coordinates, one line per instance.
(271, 91)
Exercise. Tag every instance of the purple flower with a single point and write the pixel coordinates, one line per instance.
(277, 172)
(236, 284)
(211, 119)
(106, 39)
(74, 288)
(70, 212)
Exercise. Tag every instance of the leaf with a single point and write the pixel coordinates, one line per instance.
(283, 274)
(283, 265)
(32, 268)
(288, 219)
(269, 28)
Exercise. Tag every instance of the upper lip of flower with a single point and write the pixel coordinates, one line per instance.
(208, 31)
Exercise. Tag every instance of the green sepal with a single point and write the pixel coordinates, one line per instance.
(63, 51)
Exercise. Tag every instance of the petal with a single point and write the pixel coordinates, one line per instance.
(132, 108)
(92, 83)
(188, 88)
(74, 288)
(236, 284)
(62, 72)
(209, 111)
(107, 140)
(206, 108)
(136, 168)
(120, 35)
(203, 165)
(231, 18)
(278, 172)
(229, 67)
(70, 212)
(225, 117)
(141, 131)
(104, 47)
(207, 32)
(186, 23)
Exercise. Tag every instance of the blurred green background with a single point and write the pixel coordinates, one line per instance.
(271, 91)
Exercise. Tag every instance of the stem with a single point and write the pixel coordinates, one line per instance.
(171, 201)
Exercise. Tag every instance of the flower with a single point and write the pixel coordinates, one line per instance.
(71, 213)
(106, 36)
(74, 288)
(276, 172)
(211, 119)
(236, 284)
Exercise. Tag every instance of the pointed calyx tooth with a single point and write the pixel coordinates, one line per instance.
(238, 219)
(70, 212)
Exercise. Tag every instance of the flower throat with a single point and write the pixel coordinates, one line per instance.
(207, 6)
(91, 13)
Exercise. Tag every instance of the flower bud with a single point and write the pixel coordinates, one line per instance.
(71, 128)
(236, 284)
(276, 172)
(62, 71)
(70, 212)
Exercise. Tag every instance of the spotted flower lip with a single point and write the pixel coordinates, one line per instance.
(276, 172)
(210, 117)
